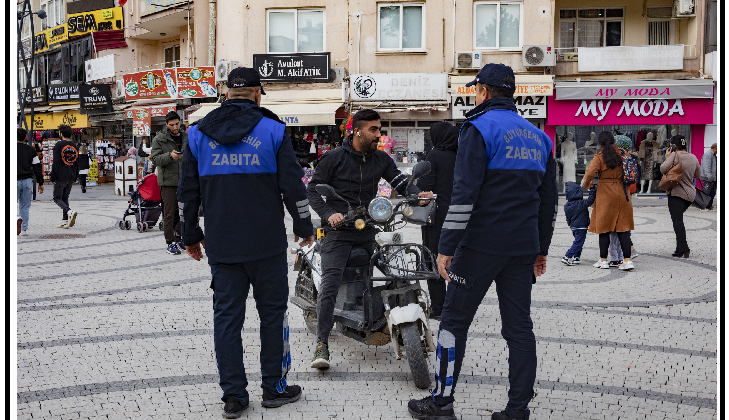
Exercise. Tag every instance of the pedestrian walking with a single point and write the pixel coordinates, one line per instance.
(167, 152)
(498, 229)
(440, 181)
(84, 164)
(626, 144)
(578, 219)
(63, 173)
(613, 209)
(28, 166)
(682, 195)
(241, 167)
(708, 174)
(39, 152)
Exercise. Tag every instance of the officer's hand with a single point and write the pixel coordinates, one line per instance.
(425, 194)
(540, 265)
(444, 263)
(335, 218)
(40, 189)
(194, 250)
(306, 241)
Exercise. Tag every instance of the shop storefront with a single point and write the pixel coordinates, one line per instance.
(647, 112)
(408, 103)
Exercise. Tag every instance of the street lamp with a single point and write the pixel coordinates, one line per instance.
(22, 14)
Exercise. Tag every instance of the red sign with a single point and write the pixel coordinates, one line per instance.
(141, 121)
(630, 111)
(162, 111)
(150, 84)
(196, 82)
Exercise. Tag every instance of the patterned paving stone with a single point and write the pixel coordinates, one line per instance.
(110, 326)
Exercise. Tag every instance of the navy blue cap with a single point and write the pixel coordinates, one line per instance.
(493, 74)
(244, 77)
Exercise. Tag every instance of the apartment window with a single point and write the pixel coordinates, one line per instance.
(296, 31)
(659, 26)
(79, 52)
(401, 27)
(590, 28)
(172, 56)
(497, 25)
(54, 13)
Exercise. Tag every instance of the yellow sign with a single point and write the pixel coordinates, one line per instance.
(522, 89)
(50, 38)
(93, 175)
(51, 120)
(95, 21)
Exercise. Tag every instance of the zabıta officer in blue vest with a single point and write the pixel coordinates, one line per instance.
(497, 230)
(241, 167)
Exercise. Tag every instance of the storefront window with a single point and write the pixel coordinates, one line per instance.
(575, 147)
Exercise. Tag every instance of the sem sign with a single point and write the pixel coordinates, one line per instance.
(533, 107)
(650, 57)
(399, 87)
(50, 38)
(95, 21)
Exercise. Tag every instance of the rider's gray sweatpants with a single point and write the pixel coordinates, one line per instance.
(335, 249)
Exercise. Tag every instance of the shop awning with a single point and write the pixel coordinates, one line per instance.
(636, 89)
(526, 85)
(60, 108)
(294, 107)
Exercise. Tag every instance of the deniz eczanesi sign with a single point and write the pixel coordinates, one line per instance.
(630, 111)
(399, 87)
(313, 67)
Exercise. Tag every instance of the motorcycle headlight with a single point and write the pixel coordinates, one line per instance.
(380, 209)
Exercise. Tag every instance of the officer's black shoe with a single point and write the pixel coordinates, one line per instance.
(519, 415)
(274, 399)
(233, 408)
(427, 409)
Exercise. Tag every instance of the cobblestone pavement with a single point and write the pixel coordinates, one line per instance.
(110, 326)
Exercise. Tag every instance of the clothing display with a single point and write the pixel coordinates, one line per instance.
(569, 161)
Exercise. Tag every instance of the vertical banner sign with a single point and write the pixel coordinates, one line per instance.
(141, 122)
(93, 175)
(196, 82)
(150, 84)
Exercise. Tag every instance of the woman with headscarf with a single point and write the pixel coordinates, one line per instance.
(439, 180)
(83, 166)
(613, 209)
(683, 194)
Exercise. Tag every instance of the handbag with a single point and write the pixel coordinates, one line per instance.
(673, 176)
(423, 215)
(702, 199)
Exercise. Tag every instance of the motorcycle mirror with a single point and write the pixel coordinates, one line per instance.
(326, 190)
(421, 169)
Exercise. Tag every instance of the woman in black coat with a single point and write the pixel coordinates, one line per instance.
(439, 180)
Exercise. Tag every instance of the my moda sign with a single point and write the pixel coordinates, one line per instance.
(293, 67)
(630, 111)
(399, 87)
(63, 92)
(95, 97)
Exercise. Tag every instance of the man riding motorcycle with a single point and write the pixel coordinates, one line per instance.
(354, 171)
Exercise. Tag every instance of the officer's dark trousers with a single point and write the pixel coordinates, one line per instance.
(513, 277)
(231, 283)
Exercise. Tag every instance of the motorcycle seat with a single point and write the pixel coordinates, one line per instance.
(358, 257)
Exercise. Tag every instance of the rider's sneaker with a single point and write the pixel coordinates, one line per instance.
(427, 409)
(63, 224)
(520, 415)
(233, 408)
(173, 249)
(72, 218)
(275, 399)
(321, 356)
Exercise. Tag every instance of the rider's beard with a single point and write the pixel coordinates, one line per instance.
(368, 145)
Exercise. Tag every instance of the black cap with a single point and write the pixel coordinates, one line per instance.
(493, 74)
(249, 77)
(679, 141)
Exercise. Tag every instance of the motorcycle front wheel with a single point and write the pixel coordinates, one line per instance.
(416, 355)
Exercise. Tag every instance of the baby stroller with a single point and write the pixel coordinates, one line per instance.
(145, 204)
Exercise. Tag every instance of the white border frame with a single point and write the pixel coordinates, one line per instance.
(296, 29)
(498, 25)
(400, 48)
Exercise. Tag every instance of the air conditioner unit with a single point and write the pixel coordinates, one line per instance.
(684, 8)
(119, 89)
(223, 69)
(468, 60)
(538, 56)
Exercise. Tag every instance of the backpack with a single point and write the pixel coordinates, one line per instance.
(630, 170)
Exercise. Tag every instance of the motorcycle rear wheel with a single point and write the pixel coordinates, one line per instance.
(417, 360)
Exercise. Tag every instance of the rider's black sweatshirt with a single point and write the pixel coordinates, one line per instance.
(355, 177)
